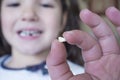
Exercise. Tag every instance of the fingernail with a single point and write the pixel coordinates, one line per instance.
(68, 33)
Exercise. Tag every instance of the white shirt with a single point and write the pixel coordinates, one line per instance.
(23, 74)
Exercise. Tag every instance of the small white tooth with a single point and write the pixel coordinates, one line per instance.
(61, 39)
(23, 34)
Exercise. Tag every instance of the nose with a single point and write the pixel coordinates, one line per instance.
(29, 14)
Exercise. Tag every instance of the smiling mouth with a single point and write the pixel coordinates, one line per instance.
(30, 33)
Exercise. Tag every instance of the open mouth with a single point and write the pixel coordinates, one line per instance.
(30, 33)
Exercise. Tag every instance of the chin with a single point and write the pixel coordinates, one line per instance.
(31, 52)
(34, 51)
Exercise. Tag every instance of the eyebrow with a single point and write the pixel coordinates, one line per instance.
(56, 1)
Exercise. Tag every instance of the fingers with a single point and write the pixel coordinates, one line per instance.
(90, 48)
(102, 31)
(114, 15)
(56, 62)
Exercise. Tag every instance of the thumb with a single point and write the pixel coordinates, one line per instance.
(57, 63)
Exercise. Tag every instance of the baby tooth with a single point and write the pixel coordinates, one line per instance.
(61, 39)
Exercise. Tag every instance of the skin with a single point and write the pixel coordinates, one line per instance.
(101, 56)
(30, 15)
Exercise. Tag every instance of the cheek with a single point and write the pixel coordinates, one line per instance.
(7, 26)
(54, 28)
(9, 18)
(52, 18)
(6, 20)
(6, 23)
(54, 22)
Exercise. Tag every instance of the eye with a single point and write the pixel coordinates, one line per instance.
(47, 5)
(14, 5)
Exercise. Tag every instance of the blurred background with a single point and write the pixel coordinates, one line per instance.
(99, 7)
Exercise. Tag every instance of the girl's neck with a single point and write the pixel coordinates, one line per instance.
(23, 60)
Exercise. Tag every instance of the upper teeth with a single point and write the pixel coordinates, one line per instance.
(29, 33)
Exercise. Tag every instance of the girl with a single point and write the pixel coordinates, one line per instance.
(29, 27)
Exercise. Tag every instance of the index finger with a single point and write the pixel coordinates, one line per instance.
(101, 30)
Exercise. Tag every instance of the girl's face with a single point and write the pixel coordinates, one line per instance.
(30, 26)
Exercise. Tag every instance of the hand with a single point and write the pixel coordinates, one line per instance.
(101, 54)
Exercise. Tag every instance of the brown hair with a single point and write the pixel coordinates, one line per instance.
(74, 53)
